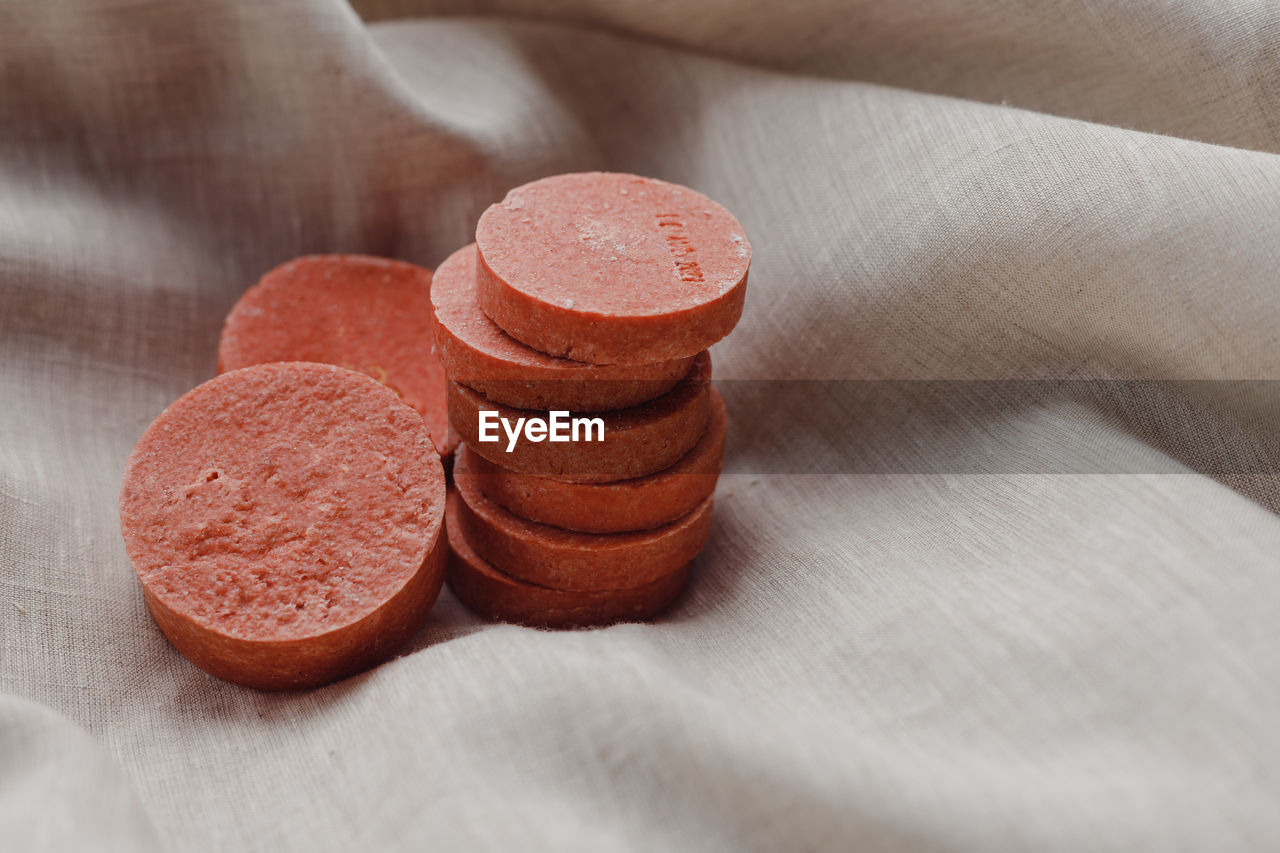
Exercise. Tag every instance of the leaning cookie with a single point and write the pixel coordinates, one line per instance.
(285, 522)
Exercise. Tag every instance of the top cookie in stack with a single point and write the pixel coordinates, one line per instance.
(593, 293)
(611, 269)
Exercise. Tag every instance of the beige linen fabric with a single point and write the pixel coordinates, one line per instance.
(935, 614)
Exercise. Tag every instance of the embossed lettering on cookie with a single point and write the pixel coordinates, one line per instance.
(611, 268)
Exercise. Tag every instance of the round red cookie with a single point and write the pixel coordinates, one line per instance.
(477, 353)
(611, 268)
(637, 441)
(285, 521)
(362, 313)
(500, 597)
(637, 504)
(567, 560)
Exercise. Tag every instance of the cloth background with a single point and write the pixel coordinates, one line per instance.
(936, 613)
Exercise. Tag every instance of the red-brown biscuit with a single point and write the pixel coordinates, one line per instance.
(362, 313)
(566, 560)
(498, 596)
(637, 441)
(611, 268)
(636, 504)
(477, 353)
(285, 521)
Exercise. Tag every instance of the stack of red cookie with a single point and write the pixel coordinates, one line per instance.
(574, 332)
